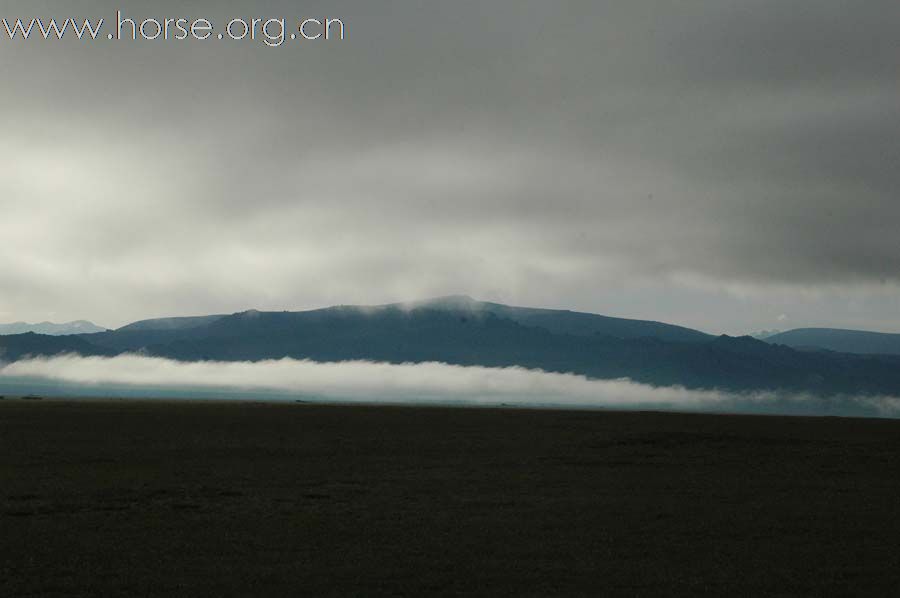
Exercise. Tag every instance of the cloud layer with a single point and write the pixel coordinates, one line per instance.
(716, 163)
(419, 384)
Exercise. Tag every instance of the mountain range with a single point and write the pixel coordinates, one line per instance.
(460, 330)
(833, 339)
(51, 329)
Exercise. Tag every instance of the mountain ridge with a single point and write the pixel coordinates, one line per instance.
(863, 342)
(459, 330)
(51, 328)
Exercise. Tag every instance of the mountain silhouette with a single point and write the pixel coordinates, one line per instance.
(50, 328)
(833, 339)
(565, 321)
(462, 331)
(321, 325)
(14, 347)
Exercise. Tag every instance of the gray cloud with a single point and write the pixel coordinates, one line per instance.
(713, 163)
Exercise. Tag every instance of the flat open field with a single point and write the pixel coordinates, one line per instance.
(136, 498)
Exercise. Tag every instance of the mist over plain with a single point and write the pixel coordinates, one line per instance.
(414, 384)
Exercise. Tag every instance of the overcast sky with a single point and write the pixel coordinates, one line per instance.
(730, 165)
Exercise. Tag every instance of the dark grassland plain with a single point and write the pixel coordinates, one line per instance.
(134, 498)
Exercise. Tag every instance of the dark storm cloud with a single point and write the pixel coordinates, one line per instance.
(675, 160)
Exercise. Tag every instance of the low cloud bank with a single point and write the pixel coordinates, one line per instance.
(370, 382)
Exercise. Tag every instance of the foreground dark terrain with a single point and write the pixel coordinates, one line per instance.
(190, 499)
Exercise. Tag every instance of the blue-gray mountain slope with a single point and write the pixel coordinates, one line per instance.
(844, 341)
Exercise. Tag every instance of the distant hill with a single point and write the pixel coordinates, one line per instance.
(565, 321)
(462, 331)
(51, 329)
(140, 335)
(845, 341)
(18, 346)
(764, 334)
(168, 324)
(320, 324)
